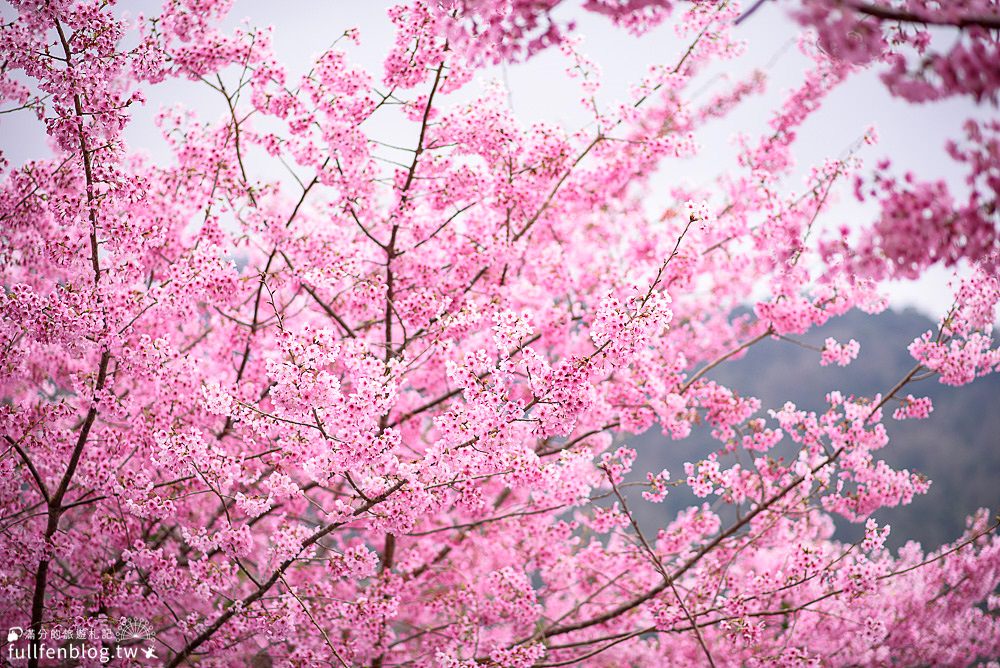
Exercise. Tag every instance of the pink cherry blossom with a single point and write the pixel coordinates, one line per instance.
(378, 410)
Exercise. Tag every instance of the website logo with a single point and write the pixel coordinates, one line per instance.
(130, 639)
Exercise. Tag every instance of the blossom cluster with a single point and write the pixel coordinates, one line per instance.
(379, 412)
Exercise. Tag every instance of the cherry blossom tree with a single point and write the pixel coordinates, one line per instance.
(377, 411)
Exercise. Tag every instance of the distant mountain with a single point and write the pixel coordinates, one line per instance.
(957, 447)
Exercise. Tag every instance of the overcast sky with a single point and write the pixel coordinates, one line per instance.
(913, 136)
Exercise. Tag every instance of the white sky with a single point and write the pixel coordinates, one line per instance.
(912, 135)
